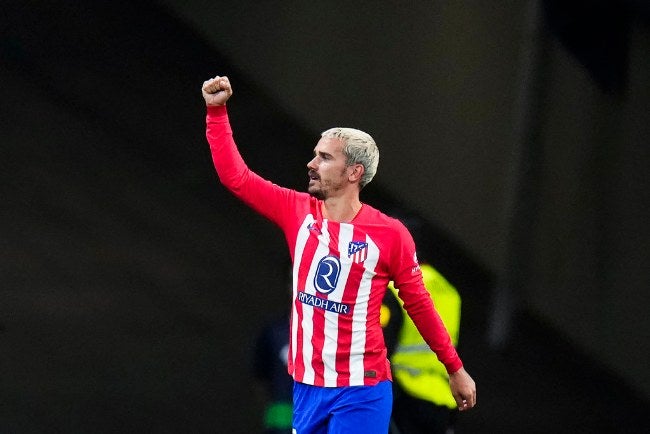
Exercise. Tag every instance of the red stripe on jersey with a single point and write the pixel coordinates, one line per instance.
(310, 249)
(296, 367)
(318, 336)
(318, 341)
(345, 326)
(345, 322)
(375, 335)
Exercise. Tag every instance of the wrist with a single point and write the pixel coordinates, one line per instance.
(458, 371)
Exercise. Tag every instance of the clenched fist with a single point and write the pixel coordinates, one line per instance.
(216, 91)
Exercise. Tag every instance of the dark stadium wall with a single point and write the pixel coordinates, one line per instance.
(439, 85)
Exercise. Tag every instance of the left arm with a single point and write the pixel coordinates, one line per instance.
(419, 306)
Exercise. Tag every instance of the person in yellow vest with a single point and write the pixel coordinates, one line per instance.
(423, 402)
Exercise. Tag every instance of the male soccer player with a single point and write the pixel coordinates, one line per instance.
(344, 254)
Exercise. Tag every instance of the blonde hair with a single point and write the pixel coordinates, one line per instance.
(358, 148)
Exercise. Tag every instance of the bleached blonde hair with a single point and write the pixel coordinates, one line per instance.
(359, 148)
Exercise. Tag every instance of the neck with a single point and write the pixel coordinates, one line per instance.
(341, 211)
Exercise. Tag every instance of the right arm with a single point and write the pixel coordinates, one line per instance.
(263, 196)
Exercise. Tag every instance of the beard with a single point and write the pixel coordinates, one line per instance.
(316, 192)
(321, 189)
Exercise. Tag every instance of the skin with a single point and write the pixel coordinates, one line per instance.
(334, 182)
(337, 185)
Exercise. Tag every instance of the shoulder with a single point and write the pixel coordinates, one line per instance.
(300, 200)
(372, 214)
(384, 229)
(389, 224)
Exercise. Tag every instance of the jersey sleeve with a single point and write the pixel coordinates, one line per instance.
(268, 199)
(418, 303)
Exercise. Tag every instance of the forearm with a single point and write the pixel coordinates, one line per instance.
(260, 194)
(227, 161)
(421, 310)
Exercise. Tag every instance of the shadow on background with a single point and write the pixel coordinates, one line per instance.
(133, 285)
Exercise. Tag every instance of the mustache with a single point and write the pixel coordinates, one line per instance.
(313, 174)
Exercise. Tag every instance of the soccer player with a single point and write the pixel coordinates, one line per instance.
(344, 254)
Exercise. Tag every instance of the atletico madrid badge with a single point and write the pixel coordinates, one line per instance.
(358, 250)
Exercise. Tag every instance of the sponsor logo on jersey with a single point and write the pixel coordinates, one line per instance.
(313, 227)
(323, 303)
(415, 269)
(327, 274)
(358, 251)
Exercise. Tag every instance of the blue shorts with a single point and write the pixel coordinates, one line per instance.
(342, 410)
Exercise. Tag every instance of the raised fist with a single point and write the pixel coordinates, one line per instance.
(216, 91)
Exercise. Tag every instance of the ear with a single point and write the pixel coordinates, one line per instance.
(356, 172)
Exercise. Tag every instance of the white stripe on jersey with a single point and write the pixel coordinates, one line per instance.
(358, 347)
(332, 318)
(307, 349)
(307, 310)
(301, 241)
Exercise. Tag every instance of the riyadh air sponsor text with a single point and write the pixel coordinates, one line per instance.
(323, 303)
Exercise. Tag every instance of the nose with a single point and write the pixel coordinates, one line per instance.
(312, 164)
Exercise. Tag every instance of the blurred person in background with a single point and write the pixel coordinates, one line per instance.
(422, 400)
(270, 371)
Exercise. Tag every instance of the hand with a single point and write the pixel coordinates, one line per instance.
(463, 389)
(216, 91)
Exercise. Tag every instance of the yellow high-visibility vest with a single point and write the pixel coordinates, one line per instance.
(415, 366)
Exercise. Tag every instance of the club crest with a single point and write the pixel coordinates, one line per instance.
(358, 251)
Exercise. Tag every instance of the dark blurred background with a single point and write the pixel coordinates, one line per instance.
(133, 284)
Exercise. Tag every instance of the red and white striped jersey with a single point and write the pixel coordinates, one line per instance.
(340, 274)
